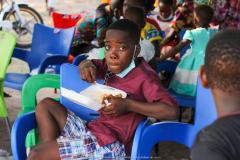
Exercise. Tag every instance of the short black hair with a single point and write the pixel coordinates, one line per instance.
(141, 3)
(136, 14)
(127, 26)
(149, 5)
(167, 2)
(222, 61)
(205, 15)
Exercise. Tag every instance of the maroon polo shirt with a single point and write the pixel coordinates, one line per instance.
(141, 84)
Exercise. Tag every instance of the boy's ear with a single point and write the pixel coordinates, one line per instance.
(203, 77)
(138, 50)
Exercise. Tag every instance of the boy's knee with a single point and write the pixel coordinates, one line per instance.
(43, 105)
(34, 155)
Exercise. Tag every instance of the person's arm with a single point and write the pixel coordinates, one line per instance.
(169, 36)
(158, 103)
(156, 48)
(88, 71)
(176, 49)
(158, 110)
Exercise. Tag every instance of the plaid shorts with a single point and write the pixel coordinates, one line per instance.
(77, 142)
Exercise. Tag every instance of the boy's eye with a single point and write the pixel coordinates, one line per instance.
(107, 47)
(122, 48)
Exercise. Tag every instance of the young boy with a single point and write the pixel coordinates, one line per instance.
(149, 31)
(137, 15)
(66, 136)
(221, 140)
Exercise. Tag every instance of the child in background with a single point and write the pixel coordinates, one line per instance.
(164, 19)
(149, 32)
(221, 73)
(66, 136)
(137, 15)
(92, 27)
(164, 15)
(185, 77)
(183, 19)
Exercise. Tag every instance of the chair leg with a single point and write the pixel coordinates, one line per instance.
(8, 126)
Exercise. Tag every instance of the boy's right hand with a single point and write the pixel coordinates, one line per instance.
(88, 71)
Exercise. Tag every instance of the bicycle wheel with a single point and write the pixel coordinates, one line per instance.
(24, 31)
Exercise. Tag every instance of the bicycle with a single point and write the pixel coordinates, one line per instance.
(19, 18)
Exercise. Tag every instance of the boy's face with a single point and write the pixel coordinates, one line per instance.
(119, 49)
(165, 10)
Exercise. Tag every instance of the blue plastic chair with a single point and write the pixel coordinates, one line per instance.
(179, 132)
(49, 47)
(26, 122)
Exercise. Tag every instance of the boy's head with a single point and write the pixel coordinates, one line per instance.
(149, 5)
(117, 7)
(222, 60)
(136, 14)
(165, 8)
(121, 44)
(128, 3)
(203, 15)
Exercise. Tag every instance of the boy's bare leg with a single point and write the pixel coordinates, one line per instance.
(45, 151)
(51, 118)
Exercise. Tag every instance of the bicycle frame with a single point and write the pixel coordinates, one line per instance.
(12, 6)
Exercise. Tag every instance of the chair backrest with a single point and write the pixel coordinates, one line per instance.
(70, 79)
(205, 111)
(61, 20)
(7, 44)
(49, 41)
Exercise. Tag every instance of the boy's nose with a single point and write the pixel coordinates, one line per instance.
(114, 54)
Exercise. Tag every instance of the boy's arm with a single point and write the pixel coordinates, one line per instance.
(176, 49)
(90, 70)
(157, 110)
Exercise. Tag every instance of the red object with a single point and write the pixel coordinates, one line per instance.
(61, 20)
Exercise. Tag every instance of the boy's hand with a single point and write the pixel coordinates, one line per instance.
(88, 71)
(116, 106)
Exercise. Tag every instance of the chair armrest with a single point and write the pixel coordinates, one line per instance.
(52, 60)
(79, 59)
(33, 85)
(20, 128)
(162, 132)
(137, 137)
(167, 65)
(20, 53)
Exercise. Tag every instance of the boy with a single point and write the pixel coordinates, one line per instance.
(112, 133)
(221, 140)
(137, 15)
(149, 31)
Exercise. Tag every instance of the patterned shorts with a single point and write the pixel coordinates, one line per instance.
(77, 142)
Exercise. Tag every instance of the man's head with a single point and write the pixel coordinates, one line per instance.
(136, 14)
(221, 70)
(128, 3)
(121, 44)
(117, 7)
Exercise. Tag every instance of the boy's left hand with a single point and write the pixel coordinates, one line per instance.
(117, 106)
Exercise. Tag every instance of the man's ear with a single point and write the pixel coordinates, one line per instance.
(203, 77)
(138, 50)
